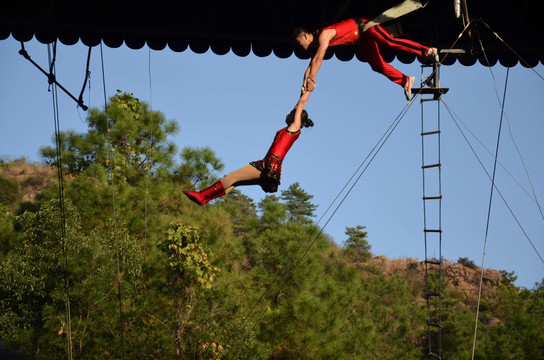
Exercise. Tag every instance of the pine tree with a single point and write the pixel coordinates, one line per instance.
(298, 204)
(128, 140)
(356, 245)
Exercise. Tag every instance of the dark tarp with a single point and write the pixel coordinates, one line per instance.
(264, 27)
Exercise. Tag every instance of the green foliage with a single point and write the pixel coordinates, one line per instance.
(198, 167)
(518, 332)
(8, 236)
(242, 210)
(273, 212)
(508, 278)
(186, 256)
(128, 141)
(357, 247)
(32, 279)
(30, 275)
(9, 191)
(298, 203)
(467, 262)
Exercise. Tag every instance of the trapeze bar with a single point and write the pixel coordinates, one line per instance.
(435, 91)
(51, 78)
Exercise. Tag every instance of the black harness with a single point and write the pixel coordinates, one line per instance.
(360, 25)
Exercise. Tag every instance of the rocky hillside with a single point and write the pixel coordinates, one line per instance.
(31, 178)
(463, 278)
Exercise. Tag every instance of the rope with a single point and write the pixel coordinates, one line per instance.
(370, 157)
(498, 162)
(150, 150)
(61, 201)
(493, 181)
(534, 197)
(494, 184)
(510, 48)
(112, 183)
(87, 73)
(489, 216)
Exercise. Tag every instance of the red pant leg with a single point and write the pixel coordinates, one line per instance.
(371, 52)
(383, 38)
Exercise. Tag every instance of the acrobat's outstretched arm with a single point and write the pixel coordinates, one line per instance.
(302, 101)
(323, 41)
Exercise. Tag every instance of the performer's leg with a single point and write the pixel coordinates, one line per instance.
(371, 52)
(245, 174)
(384, 38)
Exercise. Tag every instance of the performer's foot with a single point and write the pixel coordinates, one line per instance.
(408, 87)
(432, 54)
(210, 193)
(194, 196)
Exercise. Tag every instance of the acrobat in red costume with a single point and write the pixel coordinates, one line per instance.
(265, 172)
(270, 166)
(348, 32)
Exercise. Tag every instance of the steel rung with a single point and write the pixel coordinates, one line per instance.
(428, 295)
(432, 197)
(430, 166)
(430, 132)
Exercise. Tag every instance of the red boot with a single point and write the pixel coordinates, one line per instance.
(203, 196)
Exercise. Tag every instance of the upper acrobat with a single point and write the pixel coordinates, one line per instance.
(350, 32)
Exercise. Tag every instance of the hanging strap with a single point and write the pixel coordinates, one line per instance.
(51, 77)
(407, 6)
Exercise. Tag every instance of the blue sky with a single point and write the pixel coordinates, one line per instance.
(235, 104)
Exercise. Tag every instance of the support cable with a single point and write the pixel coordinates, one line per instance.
(501, 104)
(510, 48)
(498, 162)
(489, 216)
(87, 73)
(61, 206)
(533, 197)
(146, 190)
(494, 184)
(112, 183)
(150, 150)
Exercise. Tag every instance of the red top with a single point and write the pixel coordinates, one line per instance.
(347, 32)
(283, 141)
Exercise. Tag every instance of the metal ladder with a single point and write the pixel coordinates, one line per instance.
(432, 204)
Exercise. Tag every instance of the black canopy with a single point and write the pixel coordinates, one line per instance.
(506, 30)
